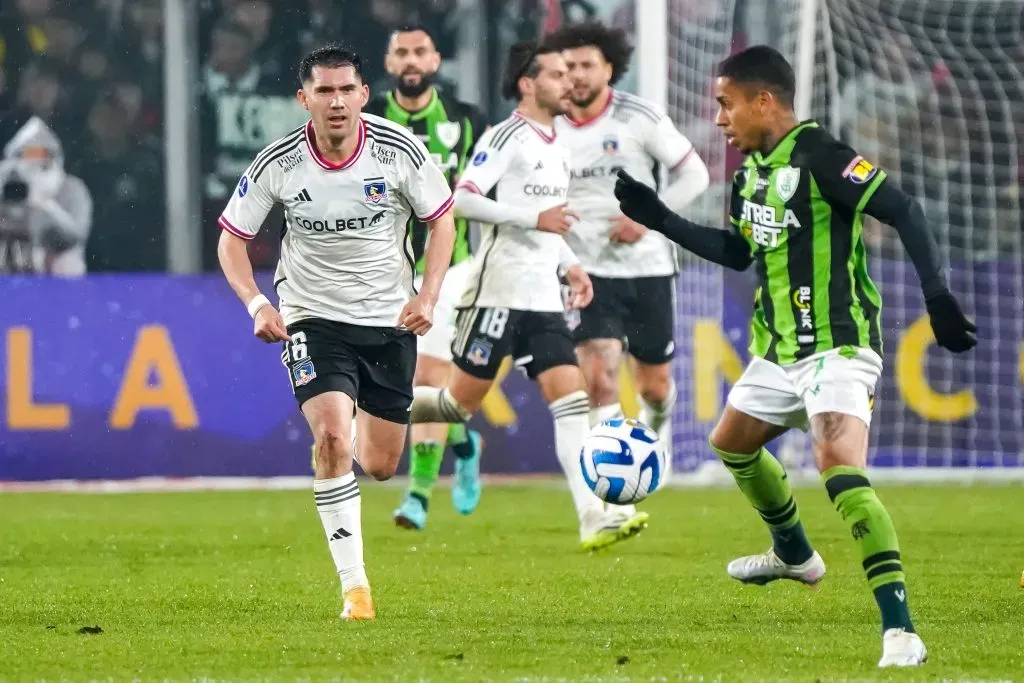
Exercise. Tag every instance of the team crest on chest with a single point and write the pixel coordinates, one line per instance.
(375, 190)
(786, 181)
(610, 145)
(448, 132)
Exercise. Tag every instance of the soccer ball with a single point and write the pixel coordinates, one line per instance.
(623, 461)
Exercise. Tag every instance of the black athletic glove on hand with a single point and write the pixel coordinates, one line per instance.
(953, 330)
(640, 202)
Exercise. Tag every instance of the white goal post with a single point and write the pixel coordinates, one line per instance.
(933, 91)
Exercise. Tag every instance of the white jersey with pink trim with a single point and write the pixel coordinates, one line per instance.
(345, 254)
(520, 164)
(632, 134)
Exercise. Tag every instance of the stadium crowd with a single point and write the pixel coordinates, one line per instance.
(92, 72)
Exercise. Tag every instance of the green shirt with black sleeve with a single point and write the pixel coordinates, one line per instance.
(449, 128)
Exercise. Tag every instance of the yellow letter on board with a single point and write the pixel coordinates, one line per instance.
(913, 384)
(153, 353)
(22, 411)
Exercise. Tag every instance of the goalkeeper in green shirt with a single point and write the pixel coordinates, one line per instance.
(449, 128)
(797, 210)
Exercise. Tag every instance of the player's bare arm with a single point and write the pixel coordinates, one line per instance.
(234, 261)
(642, 204)
(418, 314)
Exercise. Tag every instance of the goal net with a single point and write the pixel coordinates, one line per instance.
(933, 91)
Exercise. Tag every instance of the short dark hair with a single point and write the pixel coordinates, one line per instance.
(612, 42)
(763, 67)
(412, 28)
(331, 56)
(522, 61)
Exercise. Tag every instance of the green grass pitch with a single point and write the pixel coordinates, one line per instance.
(240, 586)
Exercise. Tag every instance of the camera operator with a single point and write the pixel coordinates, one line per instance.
(45, 214)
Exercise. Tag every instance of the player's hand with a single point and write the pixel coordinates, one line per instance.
(418, 315)
(581, 289)
(625, 230)
(640, 202)
(953, 330)
(269, 326)
(557, 219)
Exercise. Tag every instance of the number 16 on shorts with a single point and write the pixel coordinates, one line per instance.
(295, 357)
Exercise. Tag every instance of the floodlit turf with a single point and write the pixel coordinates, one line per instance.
(240, 586)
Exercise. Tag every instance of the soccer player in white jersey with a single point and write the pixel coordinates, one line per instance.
(633, 270)
(513, 303)
(349, 314)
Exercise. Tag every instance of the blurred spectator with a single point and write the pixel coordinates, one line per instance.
(45, 213)
(22, 31)
(125, 174)
(38, 94)
(274, 57)
(140, 46)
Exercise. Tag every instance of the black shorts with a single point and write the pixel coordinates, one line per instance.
(536, 341)
(373, 365)
(639, 311)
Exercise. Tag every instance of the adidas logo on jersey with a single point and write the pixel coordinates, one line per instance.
(339, 534)
(539, 166)
(303, 196)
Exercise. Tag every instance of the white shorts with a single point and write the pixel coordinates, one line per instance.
(437, 343)
(827, 382)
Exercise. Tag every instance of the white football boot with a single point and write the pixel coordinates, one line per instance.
(902, 648)
(767, 567)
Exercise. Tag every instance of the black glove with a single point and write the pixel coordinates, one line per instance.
(953, 330)
(640, 202)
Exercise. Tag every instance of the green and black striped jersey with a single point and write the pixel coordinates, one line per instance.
(449, 128)
(800, 208)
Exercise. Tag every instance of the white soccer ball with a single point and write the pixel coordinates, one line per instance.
(623, 461)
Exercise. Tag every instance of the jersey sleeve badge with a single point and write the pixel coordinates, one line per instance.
(860, 170)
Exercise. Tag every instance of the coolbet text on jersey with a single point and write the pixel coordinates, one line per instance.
(517, 268)
(345, 254)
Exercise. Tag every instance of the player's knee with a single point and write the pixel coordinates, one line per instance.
(382, 470)
(723, 440)
(656, 387)
(602, 382)
(332, 445)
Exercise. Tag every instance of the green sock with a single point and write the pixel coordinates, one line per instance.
(424, 466)
(763, 480)
(851, 493)
(458, 439)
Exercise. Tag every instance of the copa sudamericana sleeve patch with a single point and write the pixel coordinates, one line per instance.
(860, 170)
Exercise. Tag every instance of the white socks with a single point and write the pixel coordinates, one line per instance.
(340, 508)
(430, 404)
(602, 413)
(572, 424)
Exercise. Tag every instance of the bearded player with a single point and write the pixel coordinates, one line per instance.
(632, 268)
(449, 128)
(517, 184)
(797, 213)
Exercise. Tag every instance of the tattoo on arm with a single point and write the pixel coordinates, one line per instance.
(828, 427)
